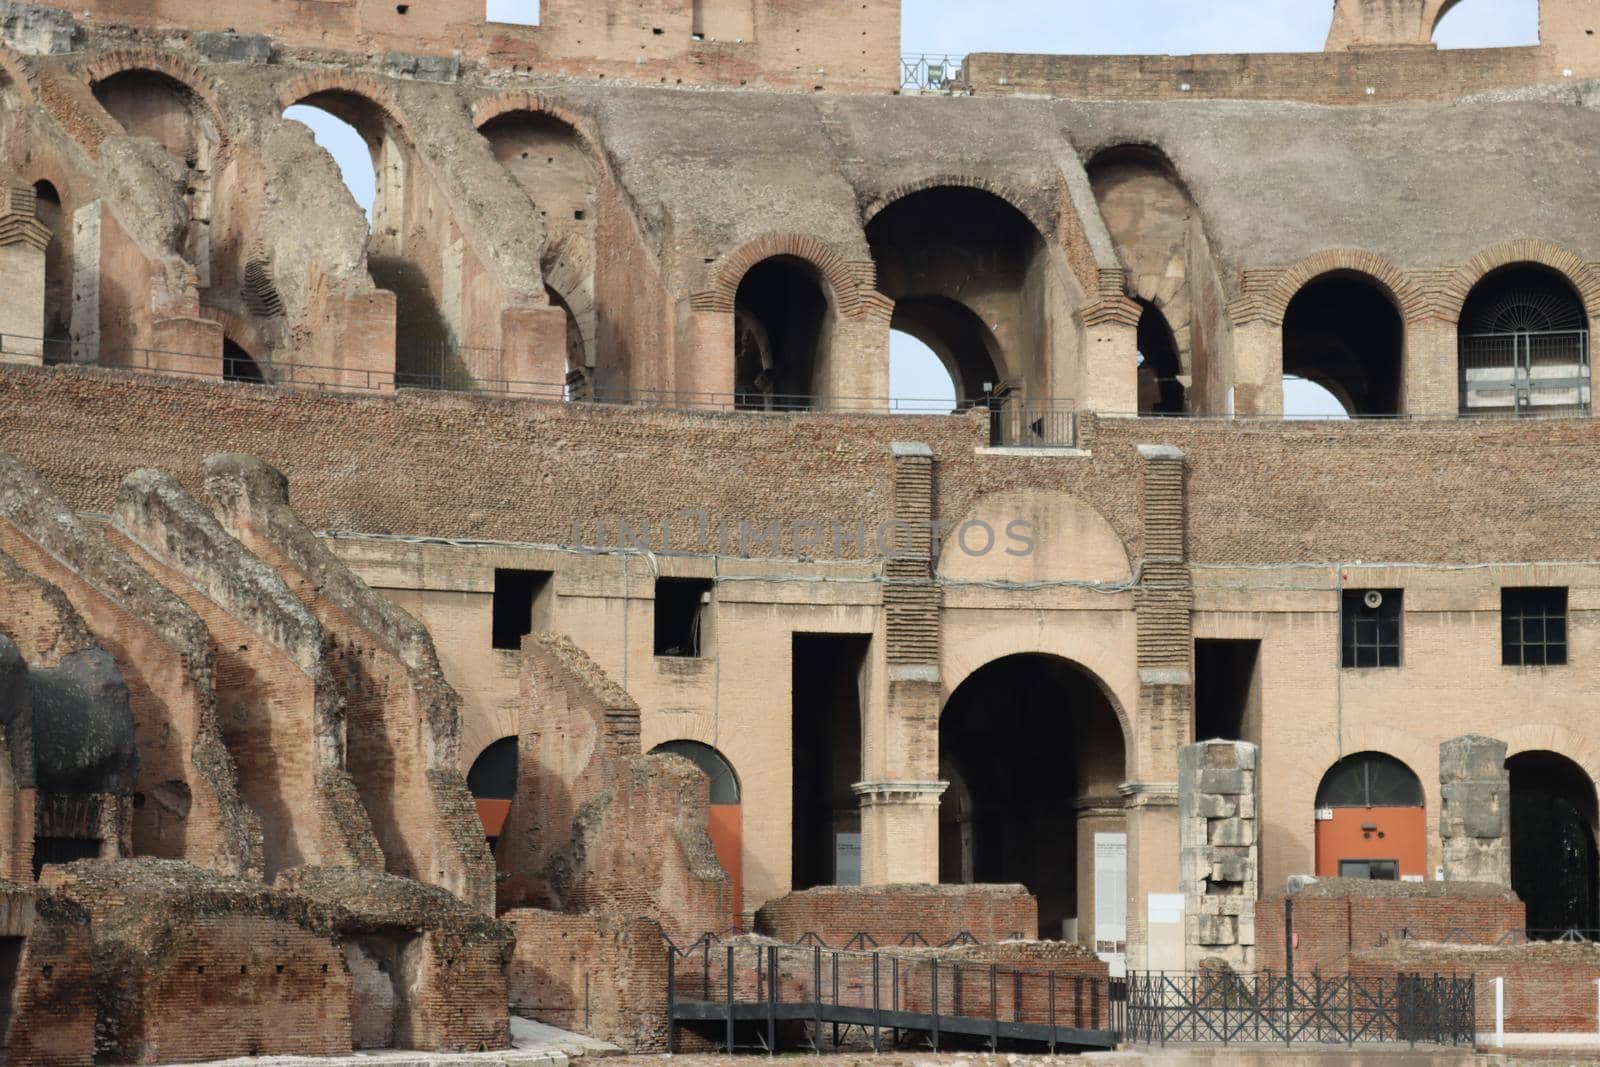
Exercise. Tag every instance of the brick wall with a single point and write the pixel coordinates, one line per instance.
(601, 975)
(890, 914)
(1346, 919)
(1549, 988)
(53, 1004)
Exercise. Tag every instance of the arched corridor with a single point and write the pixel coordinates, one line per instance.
(783, 322)
(1034, 752)
(1343, 332)
(1554, 868)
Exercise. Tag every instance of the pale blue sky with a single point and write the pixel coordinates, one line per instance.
(958, 27)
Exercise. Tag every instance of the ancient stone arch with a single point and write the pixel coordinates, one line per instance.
(371, 89)
(1582, 277)
(180, 70)
(844, 280)
(490, 108)
(1408, 299)
(953, 181)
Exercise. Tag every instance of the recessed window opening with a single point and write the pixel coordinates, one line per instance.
(512, 12)
(1524, 344)
(1370, 627)
(682, 605)
(1161, 390)
(520, 600)
(238, 365)
(1533, 627)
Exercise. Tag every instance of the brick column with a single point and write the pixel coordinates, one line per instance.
(1110, 336)
(1219, 857)
(1164, 722)
(1432, 383)
(1475, 816)
(1258, 368)
(900, 811)
(23, 239)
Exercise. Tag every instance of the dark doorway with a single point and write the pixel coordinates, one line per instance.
(1227, 690)
(1553, 856)
(826, 728)
(782, 324)
(47, 850)
(1031, 746)
(238, 365)
(1161, 391)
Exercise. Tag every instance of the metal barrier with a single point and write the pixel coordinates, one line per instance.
(1015, 423)
(1226, 1008)
(933, 73)
(780, 993)
(1545, 372)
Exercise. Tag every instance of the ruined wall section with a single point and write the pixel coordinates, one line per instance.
(52, 1009)
(279, 707)
(403, 725)
(595, 825)
(191, 806)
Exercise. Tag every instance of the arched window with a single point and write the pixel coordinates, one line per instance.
(1370, 820)
(492, 781)
(783, 321)
(724, 782)
(1161, 391)
(1343, 332)
(1524, 343)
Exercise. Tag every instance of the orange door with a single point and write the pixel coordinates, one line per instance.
(727, 836)
(1357, 834)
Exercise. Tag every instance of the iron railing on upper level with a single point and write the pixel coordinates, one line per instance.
(1538, 372)
(934, 74)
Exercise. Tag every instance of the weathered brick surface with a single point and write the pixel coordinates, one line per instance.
(602, 975)
(1548, 988)
(891, 915)
(52, 1022)
(1337, 920)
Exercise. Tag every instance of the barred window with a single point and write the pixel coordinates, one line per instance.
(1370, 627)
(1533, 627)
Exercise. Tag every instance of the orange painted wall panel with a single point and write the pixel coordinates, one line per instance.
(726, 824)
(1404, 838)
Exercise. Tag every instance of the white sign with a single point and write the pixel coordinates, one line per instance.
(1324, 814)
(846, 859)
(1111, 901)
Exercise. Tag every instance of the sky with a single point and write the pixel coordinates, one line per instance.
(959, 27)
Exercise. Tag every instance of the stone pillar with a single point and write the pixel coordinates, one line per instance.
(1164, 722)
(1432, 383)
(1475, 816)
(900, 810)
(1218, 854)
(23, 240)
(1110, 337)
(1258, 368)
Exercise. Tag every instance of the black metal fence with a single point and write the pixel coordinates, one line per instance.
(756, 994)
(1225, 1008)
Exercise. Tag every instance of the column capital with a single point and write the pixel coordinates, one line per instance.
(1150, 794)
(875, 794)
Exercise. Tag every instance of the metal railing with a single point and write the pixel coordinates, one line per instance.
(1016, 423)
(764, 990)
(932, 73)
(1226, 1008)
(1525, 373)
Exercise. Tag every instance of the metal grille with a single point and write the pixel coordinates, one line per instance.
(1369, 621)
(1015, 423)
(1533, 627)
(934, 74)
(1542, 372)
(1225, 1008)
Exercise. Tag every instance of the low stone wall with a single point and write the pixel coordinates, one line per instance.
(891, 914)
(600, 975)
(1337, 917)
(1549, 988)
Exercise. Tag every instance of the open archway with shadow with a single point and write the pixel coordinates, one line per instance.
(1371, 820)
(492, 781)
(725, 820)
(970, 276)
(1161, 390)
(1524, 344)
(1343, 331)
(1554, 869)
(783, 321)
(1035, 754)
(57, 272)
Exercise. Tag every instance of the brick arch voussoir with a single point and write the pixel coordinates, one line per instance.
(242, 332)
(369, 88)
(1407, 296)
(489, 108)
(838, 273)
(188, 74)
(1420, 756)
(1568, 264)
(947, 181)
(1549, 737)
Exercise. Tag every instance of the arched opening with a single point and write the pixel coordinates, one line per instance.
(1343, 332)
(783, 323)
(958, 340)
(492, 781)
(57, 273)
(1162, 247)
(1488, 24)
(1161, 390)
(148, 103)
(1304, 399)
(1034, 750)
(1371, 821)
(1524, 344)
(578, 376)
(548, 159)
(919, 381)
(239, 365)
(971, 278)
(404, 256)
(1553, 856)
(725, 821)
